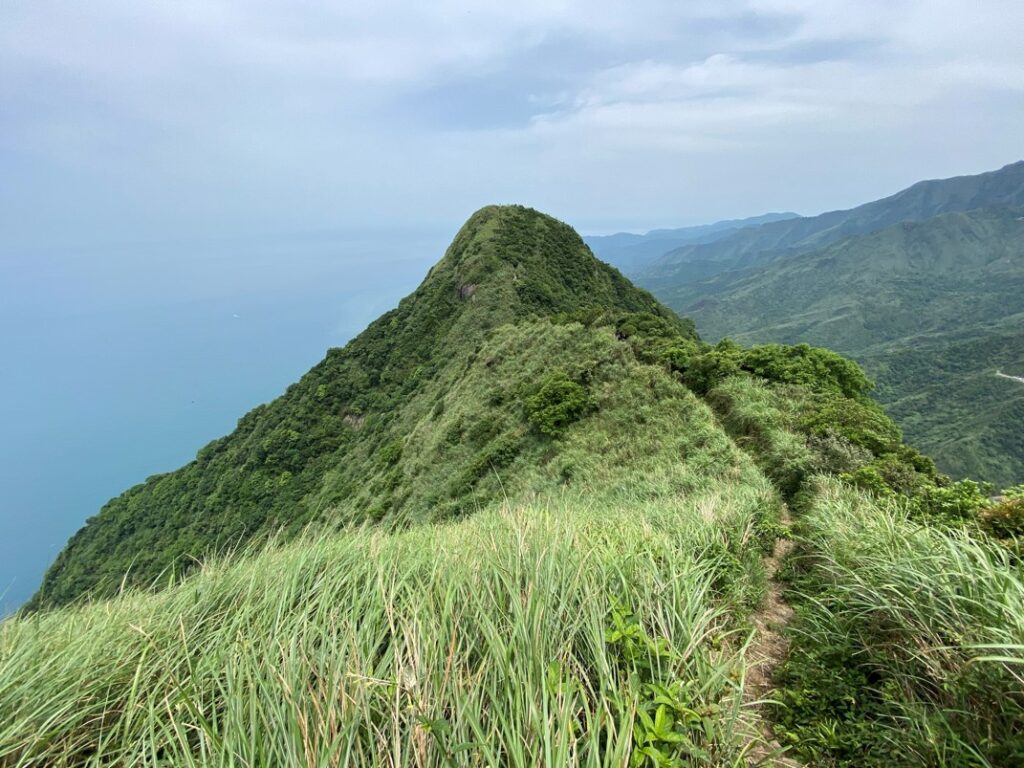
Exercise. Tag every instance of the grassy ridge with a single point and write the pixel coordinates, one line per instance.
(600, 625)
(329, 450)
(909, 644)
(930, 309)
(517, 528)
(552, 634)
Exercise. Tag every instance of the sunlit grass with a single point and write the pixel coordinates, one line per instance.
(482, 642)
(934, 617)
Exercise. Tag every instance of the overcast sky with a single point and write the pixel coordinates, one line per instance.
(189, 119)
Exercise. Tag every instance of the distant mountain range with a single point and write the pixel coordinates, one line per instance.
(630, 252)
(923, 288)
(748, 246)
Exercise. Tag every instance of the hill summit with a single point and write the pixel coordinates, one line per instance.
(363, 437)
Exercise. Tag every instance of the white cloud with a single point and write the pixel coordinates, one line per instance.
(245, 113)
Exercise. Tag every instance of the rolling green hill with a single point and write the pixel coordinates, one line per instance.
(758, 245)
(930, 308)
(529, 518)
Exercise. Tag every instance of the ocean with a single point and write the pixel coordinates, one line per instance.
(120, 362)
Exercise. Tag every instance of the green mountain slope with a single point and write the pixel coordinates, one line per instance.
(931, 309)
(364, 436)
(746, 247)
(538, 516)
(633, 253)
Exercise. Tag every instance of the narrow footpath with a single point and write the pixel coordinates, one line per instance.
(767, 651)
(1002, 375)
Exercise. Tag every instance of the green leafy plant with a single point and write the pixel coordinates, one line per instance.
(669, 725)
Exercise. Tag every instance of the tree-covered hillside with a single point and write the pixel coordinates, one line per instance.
(759, 245)
(350, 441)
(932, 309)
(528, 518)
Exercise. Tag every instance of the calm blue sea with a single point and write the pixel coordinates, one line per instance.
(119, 363)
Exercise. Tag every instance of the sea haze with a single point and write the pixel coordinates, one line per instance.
(120, 362)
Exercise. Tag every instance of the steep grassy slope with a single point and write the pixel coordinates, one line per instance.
(763, 244)
(363, 436)
(568, 630)
(489, 641)
(931, 309)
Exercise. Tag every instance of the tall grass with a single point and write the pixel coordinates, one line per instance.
(753, 415)
(491, 641)
(934, 620)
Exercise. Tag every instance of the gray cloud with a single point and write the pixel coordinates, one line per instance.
(139, 120)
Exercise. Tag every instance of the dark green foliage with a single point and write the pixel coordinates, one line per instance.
(557, 402)
(952, 504)
(811, 367)
(908, 479)
(829, 708)
(818, 370)
(492, 458)
(390, 453)
(931, 309)
(331, 450)
(861, 422)
(704, 371)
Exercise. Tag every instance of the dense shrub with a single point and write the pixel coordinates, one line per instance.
(1016, 492)
(707, 370)
(862, 422)
(933, 499)
(952, 504)
(834, 454)
(557, 402)
(1005, 519)
(815, 369)
(811, 367)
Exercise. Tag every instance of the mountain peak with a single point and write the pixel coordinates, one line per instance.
(511, 260)
(330, 449)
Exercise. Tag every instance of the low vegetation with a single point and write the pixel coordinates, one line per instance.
(561, 634)
(909, 643)
(931, 309)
